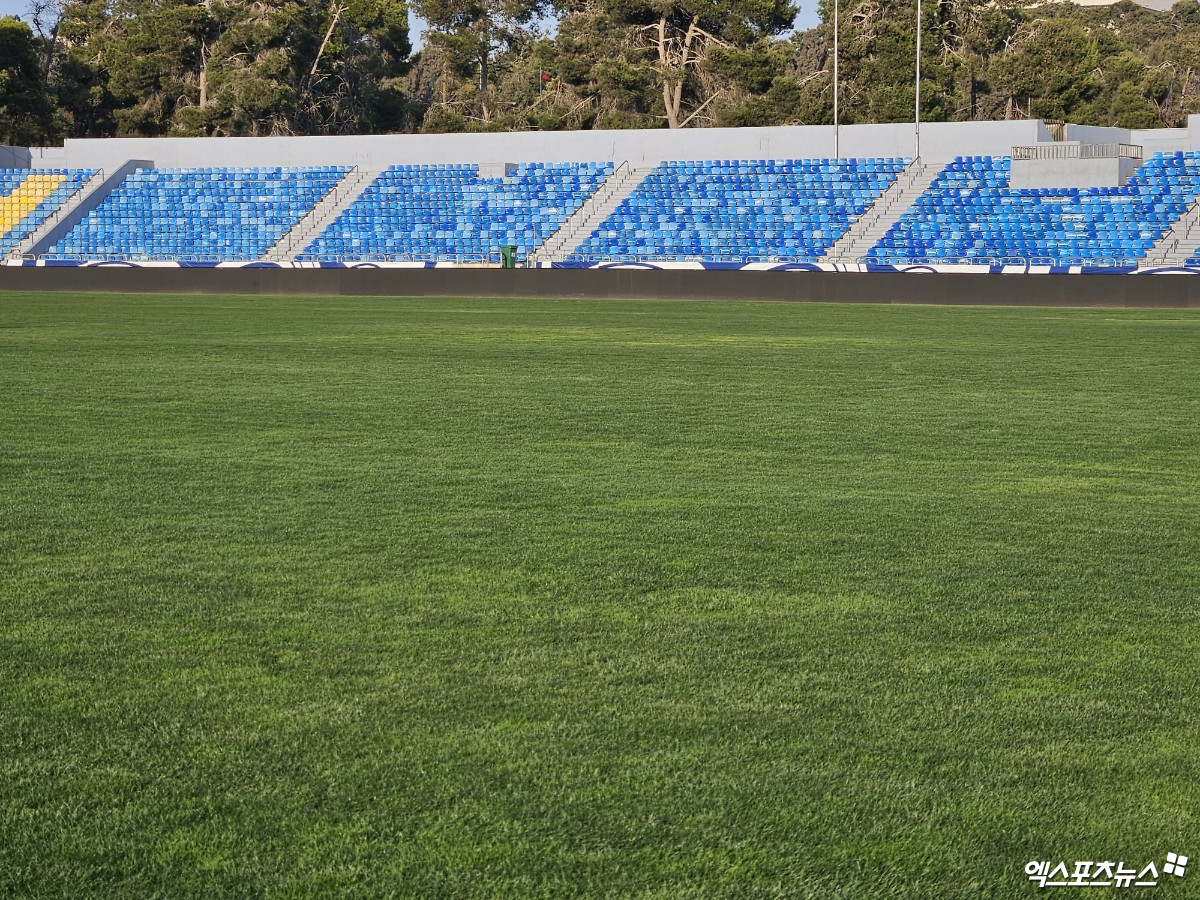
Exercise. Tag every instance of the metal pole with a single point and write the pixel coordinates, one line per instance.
(917, 114)
(837, 149)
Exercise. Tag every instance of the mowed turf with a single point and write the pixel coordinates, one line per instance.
(475, 598)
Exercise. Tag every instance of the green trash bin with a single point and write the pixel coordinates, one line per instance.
(508, 257)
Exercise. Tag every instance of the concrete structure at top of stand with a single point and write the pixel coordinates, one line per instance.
(1151, 140)
(940, 142)
(1090, 156)
(1071, 164)
(34, 158)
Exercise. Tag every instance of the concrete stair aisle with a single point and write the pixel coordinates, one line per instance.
(1180, 242)
(332, 205)
(865, 232)
(36, 237)
(598, 207)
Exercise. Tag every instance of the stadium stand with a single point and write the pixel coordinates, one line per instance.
(741, 209)
(449, 211)
(28, 196)
(220, 214)
(722, 210)
(970, 213)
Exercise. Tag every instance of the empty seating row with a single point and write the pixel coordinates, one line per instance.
(29, 196)
(715, 209)
(224, 214)
(970, 212)
(742, 208)
(449, 211)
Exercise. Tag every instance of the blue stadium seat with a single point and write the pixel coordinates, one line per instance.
(29, 196)
(708, 210)
(448, 211)
(969, 212)
(210, 213)
(742, 209)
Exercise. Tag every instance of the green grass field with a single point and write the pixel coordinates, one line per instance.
(474, 598)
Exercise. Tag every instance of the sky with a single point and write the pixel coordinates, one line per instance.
(807, 18)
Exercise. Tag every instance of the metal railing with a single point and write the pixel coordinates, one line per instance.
(144, 257)
(736, 258)
(610, 185)
(48, 224)
(602, 195)
(457, 258)
(1078, 151)
(297, 236)
(1181, 234)
(865, 224)
(1099, 262)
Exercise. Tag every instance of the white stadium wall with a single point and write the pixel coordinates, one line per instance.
(1151, 140)
(940, 141)
(1097, 134)
(33, 157)
(1167, 140)
(14, 157)
(1071, 173)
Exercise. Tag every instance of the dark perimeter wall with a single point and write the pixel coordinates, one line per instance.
(836, 287)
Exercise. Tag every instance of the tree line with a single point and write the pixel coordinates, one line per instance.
(98, 68)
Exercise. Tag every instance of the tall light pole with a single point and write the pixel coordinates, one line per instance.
(917, 113)
(837, 149)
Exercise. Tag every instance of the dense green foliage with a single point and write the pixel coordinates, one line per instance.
(25, 107)
(224, 67)
(624, 63)
(449, 598)
(229, 67)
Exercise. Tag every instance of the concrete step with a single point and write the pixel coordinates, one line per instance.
(553, 246)
(95, 190)
(579, 227)
(872, 225)
(1179, 242)
(332, 205)
(26, 247)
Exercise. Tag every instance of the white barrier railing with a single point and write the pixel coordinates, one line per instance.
(67, 206)
(1099, 262)
(701, 258)
(1116, 262)
(609, 187)
(457, 258)
(1078, 151)
(467, 258)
